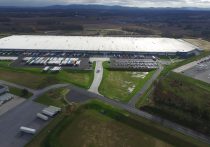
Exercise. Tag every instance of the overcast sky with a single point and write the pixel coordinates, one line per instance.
(135, 3)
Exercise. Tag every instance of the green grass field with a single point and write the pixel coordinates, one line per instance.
(97, 124)
(94, 129)
(53, 97)
(19, 92)
(122, 85)
(34, 78)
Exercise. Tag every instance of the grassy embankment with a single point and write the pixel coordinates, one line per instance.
(116, 84)
(54, 97)
(34, 78)
(98, 124)
(180, 98)
(167, 69)
(20, 92)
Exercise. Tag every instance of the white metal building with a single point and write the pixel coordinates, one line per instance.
(161, 46)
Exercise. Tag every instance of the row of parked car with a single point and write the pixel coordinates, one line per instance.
(52, 61)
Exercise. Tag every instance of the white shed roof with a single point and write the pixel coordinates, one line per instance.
(84, 43)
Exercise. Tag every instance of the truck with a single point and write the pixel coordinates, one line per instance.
(42, 116)
(28, 130)
(49, 113)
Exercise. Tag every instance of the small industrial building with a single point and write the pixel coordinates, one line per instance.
(4, 95)
(99, 46)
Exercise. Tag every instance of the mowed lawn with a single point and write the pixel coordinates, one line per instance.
(34, 78)
(94, 129)
(122, 85)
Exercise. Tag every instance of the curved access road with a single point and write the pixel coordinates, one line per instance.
(146, 86)
(129, 108)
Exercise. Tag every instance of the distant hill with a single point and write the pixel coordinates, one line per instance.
(105, 7)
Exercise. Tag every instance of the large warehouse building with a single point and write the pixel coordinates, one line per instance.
(99, 45)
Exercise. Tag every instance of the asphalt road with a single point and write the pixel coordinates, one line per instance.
(131, 109)
(98, 75)
(135, 99)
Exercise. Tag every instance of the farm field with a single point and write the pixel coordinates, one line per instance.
(34, 78)
(122, 85)
(93, 129)
(200, 43)
(98, 125)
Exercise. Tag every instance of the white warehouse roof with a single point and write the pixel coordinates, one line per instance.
(84, 43)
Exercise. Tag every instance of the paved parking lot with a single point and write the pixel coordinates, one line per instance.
(84, 65)
(11, 104)
(22, 115)
(203, 75)
(133, 64)
(77, 96)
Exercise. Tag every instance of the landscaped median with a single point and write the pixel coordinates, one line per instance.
(98, 124)
(54, 97)
(122, 85)
(24, 93)
(35, 79)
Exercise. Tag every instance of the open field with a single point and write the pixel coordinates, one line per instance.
(97, 124)
(20, 92)
(54, 97)
(94, 129)
(122, 85)
(183, 100)
(34, 78)
(200, 43)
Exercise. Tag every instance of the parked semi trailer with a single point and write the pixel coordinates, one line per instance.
(42, 116)
(28, 130)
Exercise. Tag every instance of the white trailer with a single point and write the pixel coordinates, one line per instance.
(42, 116)
(55, 108)
(48, 113)
(28, 130)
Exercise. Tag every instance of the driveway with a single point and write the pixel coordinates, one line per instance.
(98, 74)
(146, 86)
